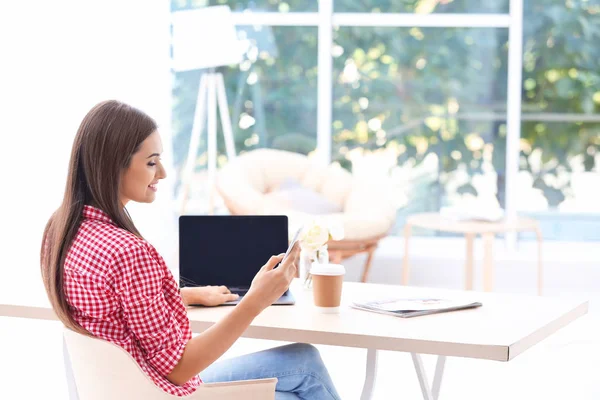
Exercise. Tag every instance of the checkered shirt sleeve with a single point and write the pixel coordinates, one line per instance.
(147, 312)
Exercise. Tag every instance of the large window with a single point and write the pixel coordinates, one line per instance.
(416, 95)
(560, 132)
(423, 6)
(421, 89)
(258, 5)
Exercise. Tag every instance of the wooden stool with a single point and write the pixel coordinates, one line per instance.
(471, 229)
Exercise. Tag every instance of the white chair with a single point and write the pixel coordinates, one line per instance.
(367, 209)
(104, 370)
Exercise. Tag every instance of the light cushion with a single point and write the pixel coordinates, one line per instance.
(356, 226)
(241, 187)
(366, 193)
(291, 194)
(277, 166)
(337, 184)
(276, 182)
(313, 176)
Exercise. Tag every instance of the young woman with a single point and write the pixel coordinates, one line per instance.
(103, 279)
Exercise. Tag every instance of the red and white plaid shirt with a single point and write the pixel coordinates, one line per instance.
(119, 289)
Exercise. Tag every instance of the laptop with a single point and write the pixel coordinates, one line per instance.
(229, 250)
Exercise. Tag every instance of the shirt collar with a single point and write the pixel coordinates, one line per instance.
(96, 214)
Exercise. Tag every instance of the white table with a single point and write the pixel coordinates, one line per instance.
(487, 230)
(506, 326)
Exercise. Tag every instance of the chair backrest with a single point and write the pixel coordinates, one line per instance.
(368, 202)
(243, 182)
(104, 370)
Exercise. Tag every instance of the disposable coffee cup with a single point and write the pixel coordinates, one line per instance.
(327, 281)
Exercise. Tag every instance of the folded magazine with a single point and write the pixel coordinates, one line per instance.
(413, 307)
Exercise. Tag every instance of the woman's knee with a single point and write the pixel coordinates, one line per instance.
(307, 353)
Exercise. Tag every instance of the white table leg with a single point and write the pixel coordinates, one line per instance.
(405, 262)
(429, 393)
(538, 234)
(437, 378)
(470, 238)
(370, 374)
(488, 261)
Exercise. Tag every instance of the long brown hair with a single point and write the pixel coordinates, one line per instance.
(109, 135)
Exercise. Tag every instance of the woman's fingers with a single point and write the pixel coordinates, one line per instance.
(288, 269)
(224, 289)
(292, 271)
(293, 257)
(230, 297)
(273, 261)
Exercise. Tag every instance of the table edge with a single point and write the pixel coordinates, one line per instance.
(451, 349)
(542, 333)
(27, 312)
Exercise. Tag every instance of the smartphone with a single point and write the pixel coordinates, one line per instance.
(293, 244)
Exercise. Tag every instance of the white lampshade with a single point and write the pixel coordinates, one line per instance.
(204, 38)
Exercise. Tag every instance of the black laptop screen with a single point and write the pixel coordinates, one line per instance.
(228, 250)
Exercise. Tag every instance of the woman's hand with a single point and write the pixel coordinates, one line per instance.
(270, 283)
(207, 295)
(203, 350)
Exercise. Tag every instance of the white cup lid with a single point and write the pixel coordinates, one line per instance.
(327, 269)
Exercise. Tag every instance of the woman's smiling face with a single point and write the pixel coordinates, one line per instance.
(139, 181)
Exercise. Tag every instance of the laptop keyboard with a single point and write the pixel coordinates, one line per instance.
(242, 292)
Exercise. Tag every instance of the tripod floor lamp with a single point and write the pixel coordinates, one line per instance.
(206, 38)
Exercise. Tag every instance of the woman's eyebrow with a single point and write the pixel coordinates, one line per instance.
(153, 155)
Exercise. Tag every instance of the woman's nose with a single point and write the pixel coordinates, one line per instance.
(162, 172)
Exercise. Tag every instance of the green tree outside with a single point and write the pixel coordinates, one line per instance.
(421, 91)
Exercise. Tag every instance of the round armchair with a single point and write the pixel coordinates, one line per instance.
(267, 181)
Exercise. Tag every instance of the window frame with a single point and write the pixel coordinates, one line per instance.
(326, 20)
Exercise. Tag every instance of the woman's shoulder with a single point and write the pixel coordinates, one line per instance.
(109, 239)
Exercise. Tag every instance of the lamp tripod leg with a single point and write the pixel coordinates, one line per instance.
(212, 140)
(197, 127)
(225, 118)
(211, 95)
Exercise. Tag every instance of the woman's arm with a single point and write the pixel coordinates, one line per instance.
(204, 349)
(206, 295)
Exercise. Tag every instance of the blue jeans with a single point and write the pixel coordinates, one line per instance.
(298, 368)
